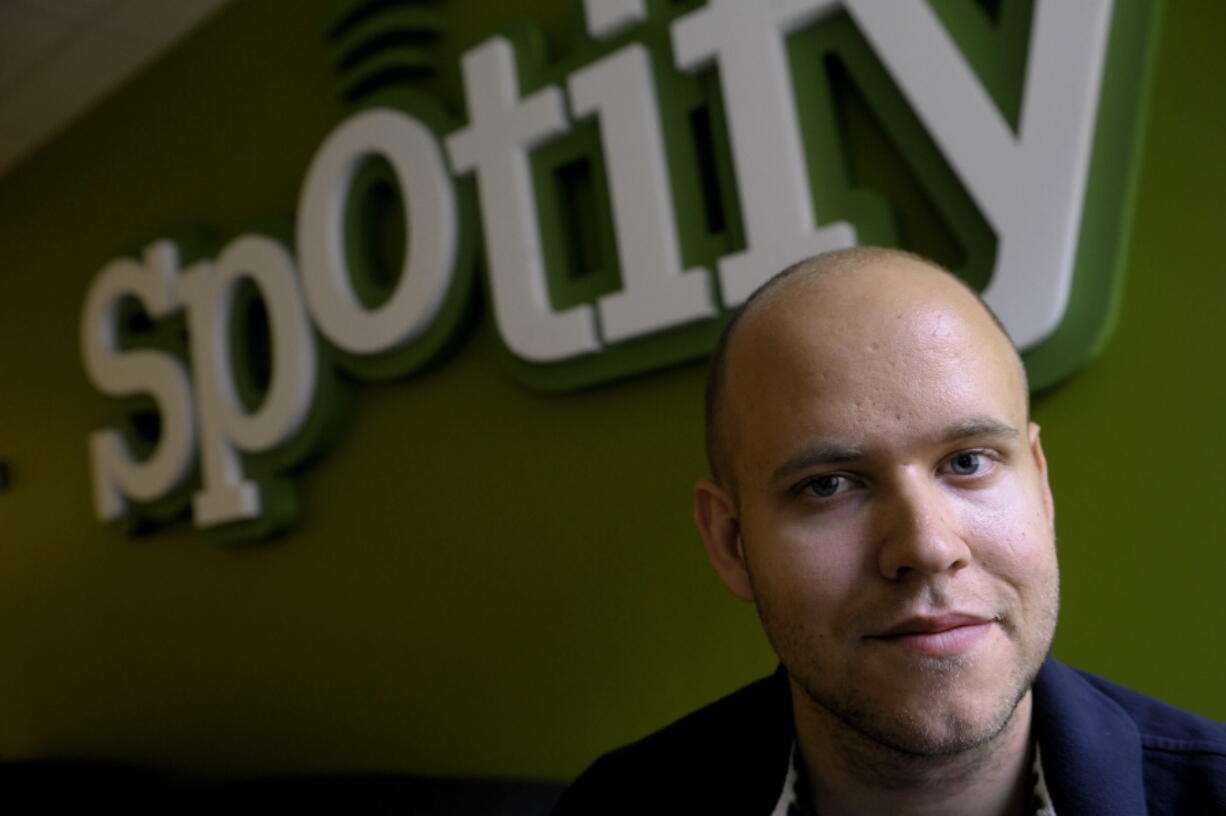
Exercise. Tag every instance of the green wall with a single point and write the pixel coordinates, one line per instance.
(488, 579)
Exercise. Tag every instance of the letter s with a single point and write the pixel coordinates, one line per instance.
(118, 475)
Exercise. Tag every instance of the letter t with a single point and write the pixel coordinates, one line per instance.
(502, 131)
(747, 41)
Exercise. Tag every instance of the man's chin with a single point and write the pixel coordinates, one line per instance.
(924, 726)
(928, 738)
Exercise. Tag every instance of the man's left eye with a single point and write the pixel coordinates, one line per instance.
(966, 463)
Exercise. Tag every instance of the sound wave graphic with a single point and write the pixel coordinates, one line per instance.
(377, 43)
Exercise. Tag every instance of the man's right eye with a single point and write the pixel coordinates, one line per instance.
(826, 485)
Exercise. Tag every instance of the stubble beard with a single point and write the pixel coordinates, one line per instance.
(903, 733)
(907, 734)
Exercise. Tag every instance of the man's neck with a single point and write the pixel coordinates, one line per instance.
(850, 773)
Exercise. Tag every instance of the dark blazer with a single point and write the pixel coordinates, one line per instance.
(1107, 751)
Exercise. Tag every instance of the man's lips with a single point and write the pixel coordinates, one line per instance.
(938, 635)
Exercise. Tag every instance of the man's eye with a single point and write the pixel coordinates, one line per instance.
(967, 463)
(826, 485)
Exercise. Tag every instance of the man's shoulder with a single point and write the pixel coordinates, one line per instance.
(1161, 725)
(1104, 739)
(732, 752)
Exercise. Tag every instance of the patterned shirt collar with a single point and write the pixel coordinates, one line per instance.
(794, 799)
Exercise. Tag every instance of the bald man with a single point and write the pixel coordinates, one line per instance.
(879, 492)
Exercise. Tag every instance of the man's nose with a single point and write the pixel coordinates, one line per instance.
(918, 531)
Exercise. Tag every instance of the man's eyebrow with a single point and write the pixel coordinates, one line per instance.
(978, 426)
(832, 454)
(816, 456)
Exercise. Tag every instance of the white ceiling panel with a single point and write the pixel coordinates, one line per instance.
(60, 57)
(26, 38)
(158, 20)
(91, 65)
(81, 10)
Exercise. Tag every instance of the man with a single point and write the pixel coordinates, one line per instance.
(880, 493)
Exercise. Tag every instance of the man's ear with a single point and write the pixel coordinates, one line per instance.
(716, 516)
(1040, 461)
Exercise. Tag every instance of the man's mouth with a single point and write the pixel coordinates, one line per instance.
(942, 635)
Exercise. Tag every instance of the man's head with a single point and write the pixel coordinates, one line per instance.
(882, 497)
(845, 260)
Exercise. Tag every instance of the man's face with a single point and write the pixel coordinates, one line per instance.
(894, 520)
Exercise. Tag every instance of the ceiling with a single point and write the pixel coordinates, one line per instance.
(59, 57)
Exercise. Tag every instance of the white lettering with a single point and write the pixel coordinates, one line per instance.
(608, 18)
(502, 130)
(431, 232)
(1029, 186)
(656, 294)
(117, 474)
(226, 427)
(746, 39)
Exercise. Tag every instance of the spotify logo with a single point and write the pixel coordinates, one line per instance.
(624, 204)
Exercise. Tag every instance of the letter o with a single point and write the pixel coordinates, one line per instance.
(431, 232)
